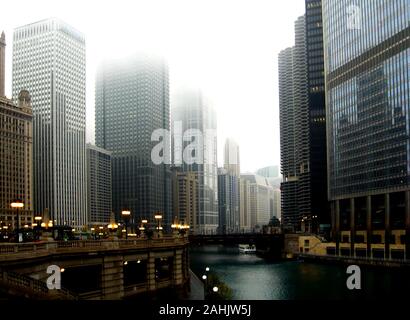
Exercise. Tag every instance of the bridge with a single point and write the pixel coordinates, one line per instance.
(270, 244)
(103, 269)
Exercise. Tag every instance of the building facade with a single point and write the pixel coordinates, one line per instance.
(99, 185)
(228, 201)
(49, 61)
(2, 63)
(16, 160)
(245, 206)
(185, 198)
(303, 126)
(291, 216)
(259, 201)
(131, 102)
(194, 120)
(367, 57)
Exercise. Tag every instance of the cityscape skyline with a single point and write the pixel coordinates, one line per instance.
(232, 92)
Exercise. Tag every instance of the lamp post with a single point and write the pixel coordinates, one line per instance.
(37, 224)
(17, 204)
(142, 227)
(158, 217)
(126, 214)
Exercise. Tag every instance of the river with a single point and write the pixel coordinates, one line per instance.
(254, 278)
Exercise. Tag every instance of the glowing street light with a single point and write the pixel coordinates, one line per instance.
(126, 215)
(17, 204)
(158, 217)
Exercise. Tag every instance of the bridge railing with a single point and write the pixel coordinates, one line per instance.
(7, 249)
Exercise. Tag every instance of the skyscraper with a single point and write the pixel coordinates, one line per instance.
(367, 57)
(131, 102)
(49, 61)
(229, 189)
(303, 126)
(228, 201)
(287, 109)
(193, 118)
(231, 157)
(2, 63)
(99, 185)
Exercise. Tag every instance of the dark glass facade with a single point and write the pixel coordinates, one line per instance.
(368, 97)
(132, 100)
(367, 63)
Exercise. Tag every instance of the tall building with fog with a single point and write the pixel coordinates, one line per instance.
(192, 117)
(367, 59)
(131, 102)
(49, 62)
(99, 185)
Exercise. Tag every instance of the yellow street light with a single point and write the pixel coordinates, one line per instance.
(17, 204)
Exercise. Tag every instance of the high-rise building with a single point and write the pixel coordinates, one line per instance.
(367, 58)
(131, 102)
(2, 64)
(257, 201)
(245, 206)
(231, 157)
(16, 160)
(228, 201)
(287, 108)
(99, 185)
(185, 198)
(193, 118)
(303, 126)
(49, 62)
(229, 189)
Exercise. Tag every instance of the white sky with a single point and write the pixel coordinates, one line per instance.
(228, 47)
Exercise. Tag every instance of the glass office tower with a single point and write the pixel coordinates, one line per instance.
(191, 111)
(367, 63)
(131, 102)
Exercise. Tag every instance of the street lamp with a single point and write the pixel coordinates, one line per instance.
(158, 217)
(142, 227)
(126, 214)
(17, 204)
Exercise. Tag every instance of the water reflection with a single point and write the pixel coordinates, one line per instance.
(252, 277)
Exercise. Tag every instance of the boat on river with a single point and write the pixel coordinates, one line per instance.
(247, 248)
